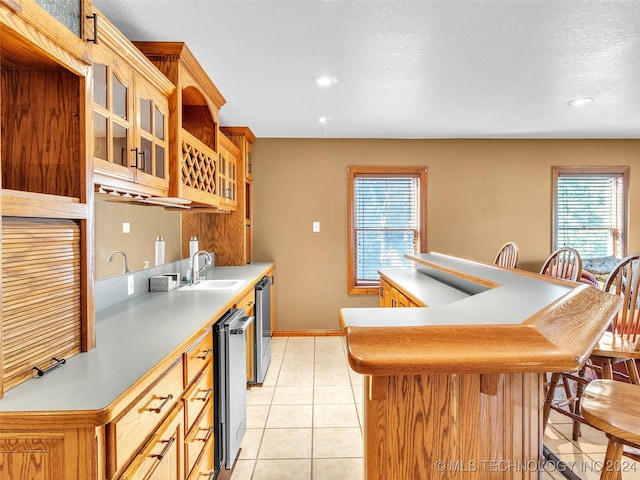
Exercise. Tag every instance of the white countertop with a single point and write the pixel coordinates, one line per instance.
(131, 338)
(516, 297)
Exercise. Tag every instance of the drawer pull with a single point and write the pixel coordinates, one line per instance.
(58, 363)
(206, 395)
(205, 354)
(166, 400)
(166, 448)
(209, 432)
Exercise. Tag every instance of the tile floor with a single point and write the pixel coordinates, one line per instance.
(304, 423)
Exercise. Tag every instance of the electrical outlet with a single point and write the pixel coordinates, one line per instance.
(316, 227)
(126, 227)
(130, 288)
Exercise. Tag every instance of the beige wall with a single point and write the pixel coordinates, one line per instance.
(481, 193)
(147, 223)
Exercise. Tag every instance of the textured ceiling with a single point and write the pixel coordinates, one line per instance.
(410, 69)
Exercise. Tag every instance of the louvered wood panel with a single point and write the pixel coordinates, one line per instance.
(41, 309)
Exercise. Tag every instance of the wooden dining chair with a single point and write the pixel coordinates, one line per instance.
(508, 256)
(564, 263)
(615, 355)
(621, 343)
(613, 407)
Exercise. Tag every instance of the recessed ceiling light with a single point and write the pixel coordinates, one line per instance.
(579, 101)
(323, 119)
(324, 80)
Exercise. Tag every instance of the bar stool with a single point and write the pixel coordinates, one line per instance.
(613, 407)
(507, 255)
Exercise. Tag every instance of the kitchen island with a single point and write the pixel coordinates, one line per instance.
(455, 390)
(98, 415)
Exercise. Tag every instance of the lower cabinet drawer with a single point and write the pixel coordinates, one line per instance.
(197, 396)
(127, 433)
(199, 436)
(204, 469)
(161, 459)
(197, 357)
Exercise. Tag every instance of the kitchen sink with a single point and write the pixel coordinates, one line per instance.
(204, 285)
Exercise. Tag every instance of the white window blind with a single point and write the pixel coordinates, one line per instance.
(386, 224)
(590, 214)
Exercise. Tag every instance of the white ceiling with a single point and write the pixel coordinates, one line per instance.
(409, 69)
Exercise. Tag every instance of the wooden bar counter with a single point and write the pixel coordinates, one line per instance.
(455, 390)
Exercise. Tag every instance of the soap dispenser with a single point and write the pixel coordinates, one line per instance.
(193, 248)
(159, 251)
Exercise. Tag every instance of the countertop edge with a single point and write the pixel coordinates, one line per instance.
(559, 337)
(102, 414)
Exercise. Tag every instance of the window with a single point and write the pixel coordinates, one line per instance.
(387, 218)
(590, 210)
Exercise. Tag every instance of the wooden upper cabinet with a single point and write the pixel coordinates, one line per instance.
(227, 174)
(130, 119)
(200, 170)
(233, 245)
(47, 226)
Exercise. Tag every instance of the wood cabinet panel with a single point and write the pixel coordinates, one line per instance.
(390, 296)
(51, 106)
(41, 295)
(128, 432)
(446, 417)
(37, 456)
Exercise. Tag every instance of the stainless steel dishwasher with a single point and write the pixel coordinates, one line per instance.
(262, 344)
(230, 385)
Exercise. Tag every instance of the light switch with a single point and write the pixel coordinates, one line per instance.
(316, 227)
(126, 227)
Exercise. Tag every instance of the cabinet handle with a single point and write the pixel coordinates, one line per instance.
(207, 393)
(206, 353)
(139, 153)
(393, 302)
(135, 150)
(381, 291)
(58, 363)
(95, 29)
(166, 448)
(162, 405)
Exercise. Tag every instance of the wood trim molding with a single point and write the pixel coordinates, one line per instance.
(307, 333)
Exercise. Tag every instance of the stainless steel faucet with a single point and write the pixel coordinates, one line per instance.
(195, 274)
(126, 268)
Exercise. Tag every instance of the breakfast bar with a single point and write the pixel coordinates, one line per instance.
(454, 389)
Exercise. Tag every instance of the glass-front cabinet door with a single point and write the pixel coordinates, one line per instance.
(68, 12)
(152, 143)
(227, 176)
(112, 122)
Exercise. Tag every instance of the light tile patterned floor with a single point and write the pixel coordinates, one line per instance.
(305, 422)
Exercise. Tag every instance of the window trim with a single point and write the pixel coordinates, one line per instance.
(360, 171)
(591, 170)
